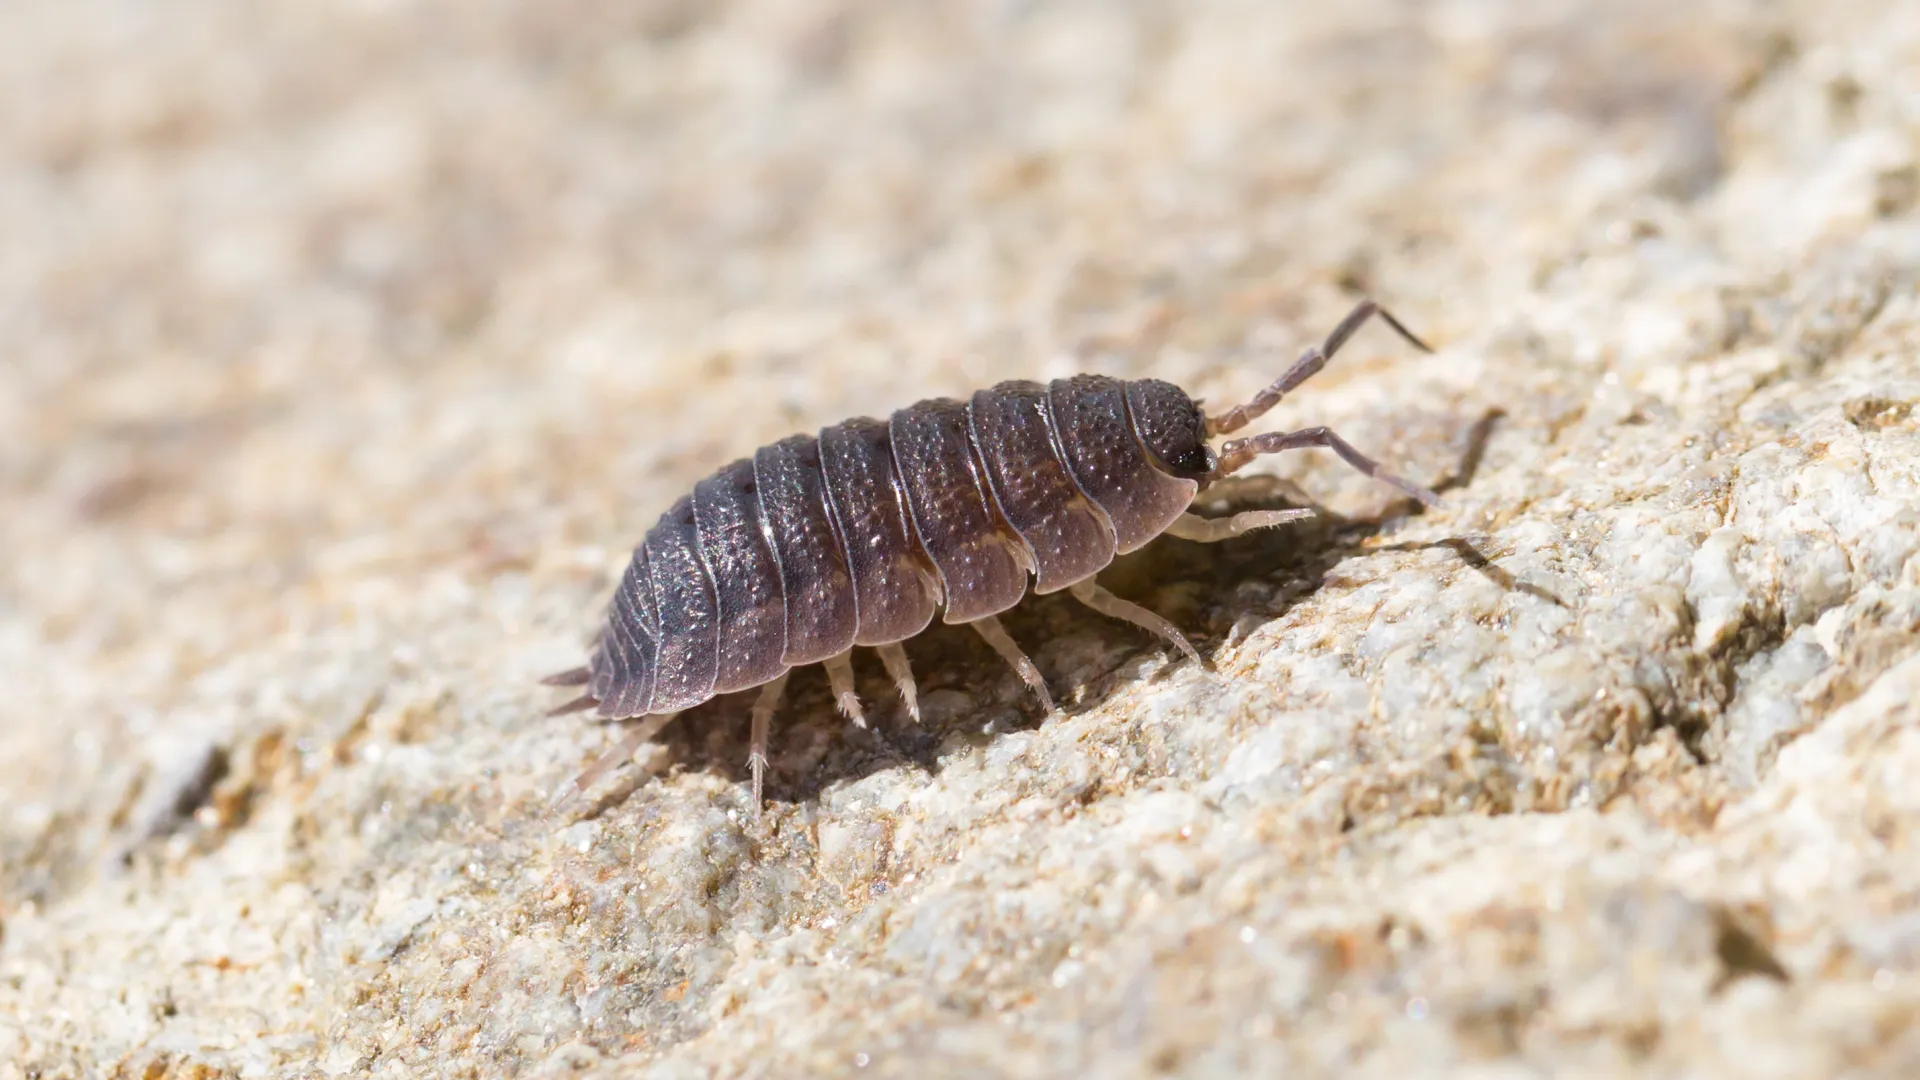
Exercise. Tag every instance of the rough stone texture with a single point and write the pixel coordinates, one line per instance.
(348, 348)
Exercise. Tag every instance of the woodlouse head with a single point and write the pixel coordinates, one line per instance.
(1171, 428)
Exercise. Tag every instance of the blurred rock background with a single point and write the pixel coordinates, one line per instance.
(347, 348)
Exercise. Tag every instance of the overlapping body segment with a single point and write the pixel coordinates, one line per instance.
(688, 653)
(895, 591)
(1090, 419)
(745, 575)
(621, 667)
(813, 564)
(859, 535)
(1068, 534)
(982, 567)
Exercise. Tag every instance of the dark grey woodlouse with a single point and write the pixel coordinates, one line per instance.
(859, 535)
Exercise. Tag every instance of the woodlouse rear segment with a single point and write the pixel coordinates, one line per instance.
(857, 536)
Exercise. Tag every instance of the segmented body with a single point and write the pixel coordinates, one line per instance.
(860, 535)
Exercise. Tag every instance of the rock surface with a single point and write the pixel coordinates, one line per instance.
(348, 348)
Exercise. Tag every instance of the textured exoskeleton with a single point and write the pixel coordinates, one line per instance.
(859, 535)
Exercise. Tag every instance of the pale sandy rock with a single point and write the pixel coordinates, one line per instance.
(349, 348)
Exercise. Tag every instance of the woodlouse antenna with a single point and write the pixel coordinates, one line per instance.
(1235, 453)
(1308, 365)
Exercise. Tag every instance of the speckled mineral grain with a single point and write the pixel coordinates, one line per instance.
(348, 348)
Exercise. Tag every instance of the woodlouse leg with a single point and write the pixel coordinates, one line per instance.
(571, 677)
(1235, 453)
(840, 677)
(763, 707)
(996, 635)
(579, 704)
(1210, 530)
(1106, 603)
(644, 728)
(1308, 365)
(901, 672)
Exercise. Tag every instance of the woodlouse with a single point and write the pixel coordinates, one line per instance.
(857, 536)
